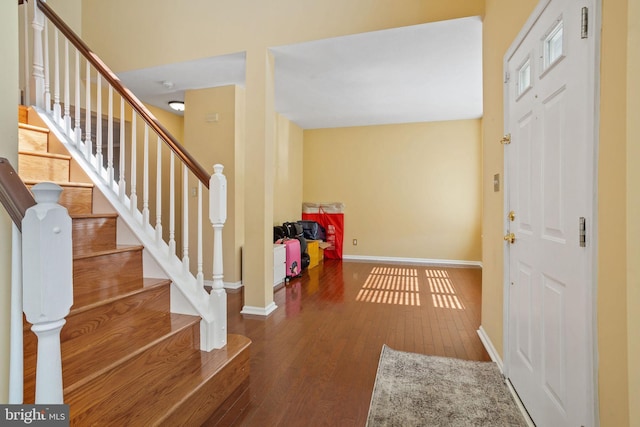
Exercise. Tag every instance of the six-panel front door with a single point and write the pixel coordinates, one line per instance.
(549, 172)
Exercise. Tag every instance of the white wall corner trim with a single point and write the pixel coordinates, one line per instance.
(259, 311)
(488, 345)
(419, 261)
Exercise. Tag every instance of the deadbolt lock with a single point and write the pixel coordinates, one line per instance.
(511, 238)
(512, 216)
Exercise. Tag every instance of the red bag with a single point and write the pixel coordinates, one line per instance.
(333, 223)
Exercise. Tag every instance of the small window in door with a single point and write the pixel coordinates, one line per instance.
(524, 77)
(553, 45)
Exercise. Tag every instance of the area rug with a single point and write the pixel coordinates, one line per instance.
(417, 390)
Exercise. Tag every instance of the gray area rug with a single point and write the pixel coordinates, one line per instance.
(417, 390)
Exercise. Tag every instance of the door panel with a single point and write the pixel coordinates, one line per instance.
(549, 180)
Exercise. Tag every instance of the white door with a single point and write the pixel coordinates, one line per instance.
(549, 110)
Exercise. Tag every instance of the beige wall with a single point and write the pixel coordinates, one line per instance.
(612, 218)
(8, 150)
(206, 28)
(210, 136)
(633, 210)
(410, 190)
(287, 198)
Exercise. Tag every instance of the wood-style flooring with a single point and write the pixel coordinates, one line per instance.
(314, 360)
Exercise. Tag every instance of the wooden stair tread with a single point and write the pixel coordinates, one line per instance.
(91, 300)
(93, 215)
(116, 250)
(33, 127)
(60, 183)
(141, 391)
(45, 154)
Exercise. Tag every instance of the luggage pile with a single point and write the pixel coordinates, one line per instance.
(294, 236)
(323, 225)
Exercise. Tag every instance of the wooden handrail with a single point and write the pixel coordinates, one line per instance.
(14, 195)
(195, 167)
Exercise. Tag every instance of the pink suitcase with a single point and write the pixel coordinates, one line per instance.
(293, 266)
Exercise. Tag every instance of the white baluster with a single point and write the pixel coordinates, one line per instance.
(172, 207)
(145, 177)
(121, 178)
(99, 158)
(48, 284)
(159, 191)
(47, 69)
(218, 216)
(87, 116)
(67, 97)
(134, 163)
(185, 218)
(57, 112)
(16, 380)
(214, 333)
(37, 75)
(110, 137)
(77, 132)
(25, 48)
(200, 274)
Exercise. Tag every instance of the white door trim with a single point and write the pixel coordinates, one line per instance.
(595, 22)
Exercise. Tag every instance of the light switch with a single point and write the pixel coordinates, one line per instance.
(496, 182)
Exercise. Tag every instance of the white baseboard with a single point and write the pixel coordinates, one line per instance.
(259, 311)
(233, 285)
(493, 353)
(419, 261)
(488, 345)
(227, 285)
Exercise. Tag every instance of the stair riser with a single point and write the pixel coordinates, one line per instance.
(93, 234)
(197, 409)
(104, 271)
(23, 114)
(77, 200)
(101, 321)
(110, 385)
(38, 168)
(33, 140)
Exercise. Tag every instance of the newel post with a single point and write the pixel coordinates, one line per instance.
(214, 334)
(47, 273)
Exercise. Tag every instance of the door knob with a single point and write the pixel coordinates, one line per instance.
(511, 238)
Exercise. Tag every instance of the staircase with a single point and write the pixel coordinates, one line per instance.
(126, 359)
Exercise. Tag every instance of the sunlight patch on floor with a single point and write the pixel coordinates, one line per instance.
(391, 285)
(443, 294)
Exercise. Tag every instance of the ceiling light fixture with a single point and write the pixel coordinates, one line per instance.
(176, 105)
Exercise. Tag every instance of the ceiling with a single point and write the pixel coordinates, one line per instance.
(428, 72)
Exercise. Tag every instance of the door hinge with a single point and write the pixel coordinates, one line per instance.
(584, 26)
(583, 232)
(507, 77)
(506, 140)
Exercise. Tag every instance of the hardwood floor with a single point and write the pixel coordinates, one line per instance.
(314, 360)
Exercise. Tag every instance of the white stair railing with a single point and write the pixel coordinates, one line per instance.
(126, 146)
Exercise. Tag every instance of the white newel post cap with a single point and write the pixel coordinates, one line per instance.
(218, 196)
(47, 257)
